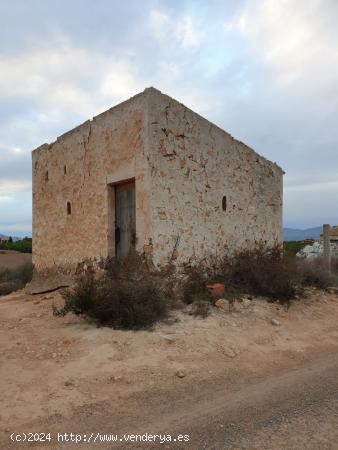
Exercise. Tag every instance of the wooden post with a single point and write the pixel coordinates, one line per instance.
(326, 246)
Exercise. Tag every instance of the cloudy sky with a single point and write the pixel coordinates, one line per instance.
(264, 70)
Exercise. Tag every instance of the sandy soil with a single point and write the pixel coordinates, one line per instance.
(11, 259)
(65, 374)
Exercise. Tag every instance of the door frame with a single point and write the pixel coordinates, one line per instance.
(111, 191)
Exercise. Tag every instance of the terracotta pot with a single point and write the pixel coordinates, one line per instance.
(216, 290)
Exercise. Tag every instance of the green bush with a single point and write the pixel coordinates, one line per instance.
(23, 245)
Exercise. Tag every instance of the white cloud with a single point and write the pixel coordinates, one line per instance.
(8, 152)
(182, 29)
(188, 33)
(293, 38)
(169, 70)
(67, 78)
(120, 81)
(9, 187)
(17, 150)
(312, 187)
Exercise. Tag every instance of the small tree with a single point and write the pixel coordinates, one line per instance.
(10, 239)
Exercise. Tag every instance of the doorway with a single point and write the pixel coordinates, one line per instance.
(125, 218)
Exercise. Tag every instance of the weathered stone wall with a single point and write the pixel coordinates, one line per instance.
(108, 149)
(186, 171)
(194, 164)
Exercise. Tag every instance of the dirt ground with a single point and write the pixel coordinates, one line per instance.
(67, 375)
(11, 259)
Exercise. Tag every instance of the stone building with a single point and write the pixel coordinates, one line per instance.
(150, 174)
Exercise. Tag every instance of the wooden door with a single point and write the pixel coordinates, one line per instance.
(125, 218)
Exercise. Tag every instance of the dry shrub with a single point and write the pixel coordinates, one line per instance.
(315, 273)
(6, 287)
(194, 289)
(128, 295)
(201, 307)
(125, 296)
(334, 267)
(195, 282)
(14, 279)
(135, 268)
(269, 273)
(261, 271)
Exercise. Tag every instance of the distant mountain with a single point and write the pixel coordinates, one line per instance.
(291, 234)
(15, 238)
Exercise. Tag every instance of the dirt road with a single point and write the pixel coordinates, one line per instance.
(231, 381)
(297, 410)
